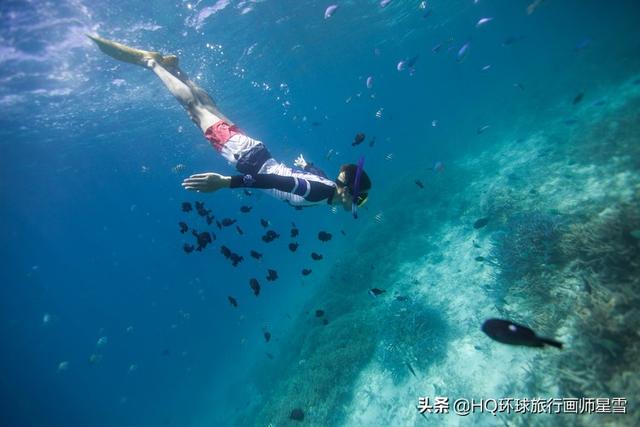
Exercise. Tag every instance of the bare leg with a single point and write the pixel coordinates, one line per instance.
(196, 101)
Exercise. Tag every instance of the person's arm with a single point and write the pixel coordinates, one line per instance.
(312, 191)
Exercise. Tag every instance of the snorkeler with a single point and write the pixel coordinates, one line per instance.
(250, 157)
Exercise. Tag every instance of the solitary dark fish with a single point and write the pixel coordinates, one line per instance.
(255, 286)
(481, 222)
(245, 209)
(236, 259)
(226, 222)
(183, 227)
(186, 207)
(225, 251)
(374, 292)
(419, 183)
(256, 255)
(319, 313)
(315, 256)
(271, 275)
(188, 248)
(233, 301)
(267, 336)
(293, 247)
(578, 98)
(239, 230)
(358, 139)
(306, 271)
(323, 236)
(480, 258)
(343, 232)
(264, 222)
(297, 415)
(270, 236)
(508, 332)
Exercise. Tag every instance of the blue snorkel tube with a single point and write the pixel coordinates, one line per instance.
(356, 188)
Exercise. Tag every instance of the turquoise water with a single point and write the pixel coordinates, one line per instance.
(106, 321)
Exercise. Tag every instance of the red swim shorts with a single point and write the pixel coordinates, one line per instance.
(219, 133)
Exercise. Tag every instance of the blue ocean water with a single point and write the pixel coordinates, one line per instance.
(105, 319)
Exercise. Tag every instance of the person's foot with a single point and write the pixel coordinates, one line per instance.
(135, 56)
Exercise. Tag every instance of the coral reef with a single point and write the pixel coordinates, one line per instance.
(526, 245)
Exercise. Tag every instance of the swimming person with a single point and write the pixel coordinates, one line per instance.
(250, 157)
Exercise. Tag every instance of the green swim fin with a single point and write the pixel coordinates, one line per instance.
(134, 56)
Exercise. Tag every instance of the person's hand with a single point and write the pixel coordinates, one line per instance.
(300, 162)
(206, 182)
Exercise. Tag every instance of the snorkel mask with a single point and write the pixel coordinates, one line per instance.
(355, 191)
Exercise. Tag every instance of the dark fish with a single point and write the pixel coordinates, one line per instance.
(201, 209)
(186, 207)
(437, 48)
(255, 286)
(226, 222)
(256, 255)
(210, 219)
(315, 256)
(402, 298)
(264, 222)
(236, 259)
(245, 209)
(508, 332)
(293, 247)
(315, 124)
(479, 258)
(267, 336)
(294, 232)
(481, 222)
(270, 236)
(372, 142)
(358, 139)
(219, 225)
(374, 292)
(204, 239)
(419, 183)
(306, 271)
(225, 251)
(325, 321)
(239, 230)
(578, 98)
(296, 415)
(271, 275)
(323, 236)
(247, 193)
(233, 301)
(343, 232)
(269, 355)
(183, 227)
(319, 313)
(188, 248)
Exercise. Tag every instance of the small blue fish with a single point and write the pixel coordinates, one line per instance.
(463, 52)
